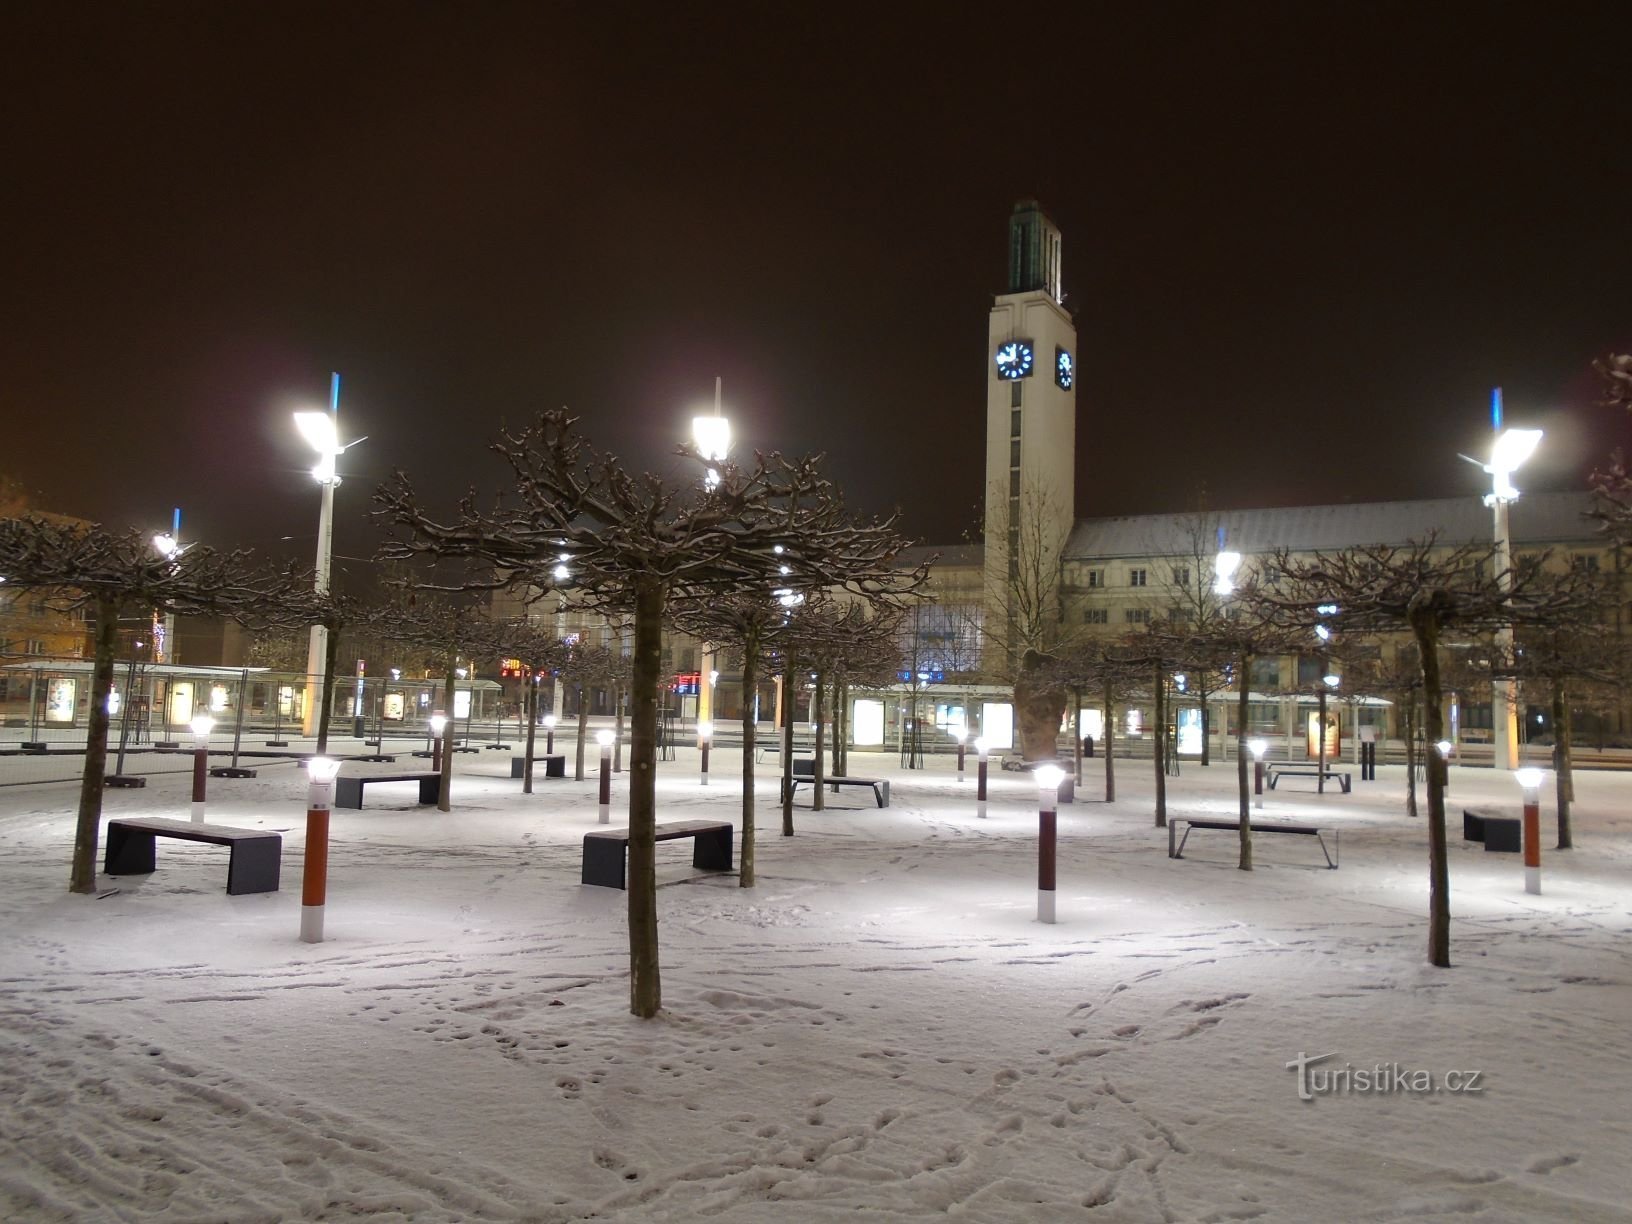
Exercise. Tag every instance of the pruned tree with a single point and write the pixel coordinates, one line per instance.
(109, 574)
(540, 653)
(584, 666)
(628, 543)
(1426, 588)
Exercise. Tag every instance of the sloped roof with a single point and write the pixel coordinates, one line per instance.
(1536, 518)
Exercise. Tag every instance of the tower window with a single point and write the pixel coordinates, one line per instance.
(1014, 400)
(1014, 453)
(1014, 422)
(1014, 483)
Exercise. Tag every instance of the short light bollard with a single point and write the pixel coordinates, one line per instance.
(705, 732)
(963, 738)
(604, 738)
(549, 735)
(1258, 747)
(1530, 780)
(314, 880)
(1445, 747)
(202, 726)
(980, 779)
(438, 724)
(1048, 778)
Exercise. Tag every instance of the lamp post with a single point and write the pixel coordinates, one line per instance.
(1530, 779)
(963, 743)
(321, 430)
(202, 726)
(1258, 747)
(980, 777)
(549, 735)
(705, 732)
(314, 880)
(1444, 747)
(169, 545)
(604, 738)
(1507, 454)
(1048, 778)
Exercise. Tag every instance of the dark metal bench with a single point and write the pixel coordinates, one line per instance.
(1498, 832)
(1268, 826)
(252, 865)
(348, 791)
(554, 766)
(880, 786)
(606, 851)
(1278, 771)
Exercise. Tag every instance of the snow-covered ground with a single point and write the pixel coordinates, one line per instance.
(879, 1030)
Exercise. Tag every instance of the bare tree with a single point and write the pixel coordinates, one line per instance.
(1426, 588)
(109, 574)
(540, 652)
(630, 542)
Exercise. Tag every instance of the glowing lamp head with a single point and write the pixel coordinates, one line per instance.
(604, 738)
(1258, 747)
(320, 432)
(705, 730)
(322, 769)
(166, 544)
(981, 745)
(438, 723)
(1224, 567)
(712, 436)
(1048, 778)
(1530, 778)
(1332, 681)
(1445, 747)
(549, 721)
(202, 726)
(963, 735)
(1513, 447)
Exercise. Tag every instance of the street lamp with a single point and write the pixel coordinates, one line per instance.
(202, 726)
(604, 738)
(1507, 454)
(321, 430)
(1258, 747)
(1530, 780)
(705, 732)
(1048, 779)
(711, 435)
(980, 777)
(438, 723)
(314, 881)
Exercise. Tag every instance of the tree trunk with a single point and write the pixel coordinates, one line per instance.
(1561, 760)
(1410, 704)
(750, 729)
(1242, 752)
(1206, 727)
(645, 988)
(1425, 624)
(1076, 735)
(331, 655)
(583, 734)
(444, 794)
(789, 696)
(836, 729)
(1109, 746)
(817, 772)
(1157, 747)
(530, 705)
(82, 873)
(1320, 741)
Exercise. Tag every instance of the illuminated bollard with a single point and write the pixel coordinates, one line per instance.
(202, 726)
(980, 779)
(963, 737)
(604, 738)
(314, 880)
(1258, 747)
(549, 735)
(1530, 780)
(1048, 778)
(705, 732)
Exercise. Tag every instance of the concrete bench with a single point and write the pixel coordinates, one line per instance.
(553, 766)
(348, 791)
(1175, 848)
(1277, 772)
(1498, 832)
(253, 862)
(606, 851)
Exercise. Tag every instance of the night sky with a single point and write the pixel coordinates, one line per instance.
(1302, 242)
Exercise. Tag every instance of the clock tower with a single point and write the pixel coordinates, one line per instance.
(1031, 417)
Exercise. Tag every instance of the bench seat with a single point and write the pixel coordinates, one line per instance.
(554, 766)
(879, 786)
(606, 851)
(253, 864)
(1277, 772)
(348, 789)
(1499, 832)
(1175, 848)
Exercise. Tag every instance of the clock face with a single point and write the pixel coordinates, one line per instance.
(1013, 359)
(1065, 372)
